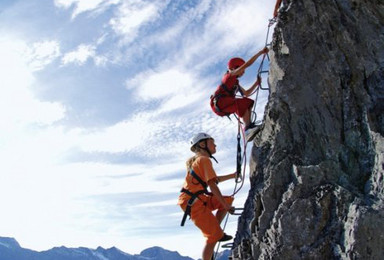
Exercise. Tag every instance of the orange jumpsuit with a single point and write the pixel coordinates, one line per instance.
(201, 212)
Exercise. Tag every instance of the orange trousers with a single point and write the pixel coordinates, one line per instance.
(203, 218)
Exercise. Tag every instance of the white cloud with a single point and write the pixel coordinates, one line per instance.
(151, 85)
(170, 34)
(42, 54)
(180, 100)
(172, 88)
(239, 25)
(26, 150)
(18, 106)
(132, 15)
(229, 30)
(80, 55)
(81, 6)
(122, 137)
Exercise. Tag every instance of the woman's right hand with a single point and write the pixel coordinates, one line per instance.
(231, 210)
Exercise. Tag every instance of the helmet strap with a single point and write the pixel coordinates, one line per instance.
(207, 150)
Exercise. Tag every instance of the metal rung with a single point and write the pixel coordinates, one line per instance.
(264, 88)
(238, 214)
(227, 245)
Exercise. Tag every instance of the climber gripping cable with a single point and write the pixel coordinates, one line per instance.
(224, 101)
(199, 203)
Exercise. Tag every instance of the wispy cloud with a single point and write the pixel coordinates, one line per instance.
(42, 53)
(151, 85)
(18, 105)
(82, 54)
(133, 15)
(80, 6)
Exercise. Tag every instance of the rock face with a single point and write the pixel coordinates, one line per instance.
(317, 167)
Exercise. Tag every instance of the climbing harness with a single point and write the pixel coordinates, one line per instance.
(194, 196)
(227, 93)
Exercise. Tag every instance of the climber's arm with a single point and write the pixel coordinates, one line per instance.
(250, 91)
(217, 193)
(241, 69)
(226, 177)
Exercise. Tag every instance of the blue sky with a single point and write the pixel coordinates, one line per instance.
(98, 100)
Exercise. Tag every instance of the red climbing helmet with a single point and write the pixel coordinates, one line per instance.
(234, 63)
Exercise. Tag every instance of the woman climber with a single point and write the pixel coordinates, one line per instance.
(197, 202)
(224, 101)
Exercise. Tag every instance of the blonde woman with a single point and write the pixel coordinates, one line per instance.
(195, 199)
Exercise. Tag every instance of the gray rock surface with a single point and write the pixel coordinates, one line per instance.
(317, 186)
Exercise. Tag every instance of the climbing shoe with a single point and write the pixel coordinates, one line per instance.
(225, 238)
(251, 125)
(251, 132)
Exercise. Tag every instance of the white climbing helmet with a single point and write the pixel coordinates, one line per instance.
(197, 138)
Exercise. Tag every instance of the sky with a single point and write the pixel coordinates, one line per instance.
(98, 101)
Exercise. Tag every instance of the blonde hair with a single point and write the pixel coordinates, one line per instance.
(191, 160)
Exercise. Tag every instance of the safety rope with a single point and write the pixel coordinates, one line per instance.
(240, 160)
(238, 153)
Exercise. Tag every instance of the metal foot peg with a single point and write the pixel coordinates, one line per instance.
(238, 213)
(227, 245)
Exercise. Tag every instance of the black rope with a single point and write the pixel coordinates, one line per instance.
(238, 155)
(243, 159)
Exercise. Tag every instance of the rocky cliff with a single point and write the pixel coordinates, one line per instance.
(317, 187)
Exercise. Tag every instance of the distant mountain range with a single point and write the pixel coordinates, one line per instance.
(11, 250)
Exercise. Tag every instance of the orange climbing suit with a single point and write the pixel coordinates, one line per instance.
(201, 210)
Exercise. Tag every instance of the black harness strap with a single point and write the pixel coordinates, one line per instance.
(238, 156)
(210, 156)
(194, 196)
(215, 98)
(203, 183)
(223, 86)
